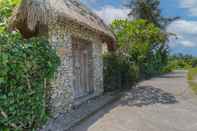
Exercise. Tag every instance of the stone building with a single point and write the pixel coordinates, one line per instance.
(78, 35)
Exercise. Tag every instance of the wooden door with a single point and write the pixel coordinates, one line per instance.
(81, 56)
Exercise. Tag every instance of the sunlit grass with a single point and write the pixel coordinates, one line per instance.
(192, 73)
(193, 85)
(192, 79)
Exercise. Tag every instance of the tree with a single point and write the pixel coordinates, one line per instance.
(6, 8)
(150, 11)
(140, 41)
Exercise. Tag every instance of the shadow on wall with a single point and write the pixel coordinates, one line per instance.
(147, 95)
(138, 96)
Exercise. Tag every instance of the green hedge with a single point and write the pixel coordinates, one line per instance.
(25, 69)
(119, 73)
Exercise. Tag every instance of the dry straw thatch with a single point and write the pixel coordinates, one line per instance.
(32, 15)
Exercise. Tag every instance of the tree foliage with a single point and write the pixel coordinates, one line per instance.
(141, 41)
(6, 8)
(149, 10)
(181, 61)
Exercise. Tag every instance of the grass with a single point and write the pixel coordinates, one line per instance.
(192, 79)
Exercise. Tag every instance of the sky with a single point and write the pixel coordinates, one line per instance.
(185, 28)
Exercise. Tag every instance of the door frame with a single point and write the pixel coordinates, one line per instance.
(78, 46)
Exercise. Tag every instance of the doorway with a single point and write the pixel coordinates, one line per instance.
(82, 63)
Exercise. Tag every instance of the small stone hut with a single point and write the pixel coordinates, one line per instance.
(78, 35)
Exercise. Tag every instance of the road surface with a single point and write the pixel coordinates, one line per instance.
(164, 103)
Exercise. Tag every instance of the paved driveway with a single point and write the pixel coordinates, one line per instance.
(160, 104)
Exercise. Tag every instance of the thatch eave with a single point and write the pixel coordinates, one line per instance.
(32, 15)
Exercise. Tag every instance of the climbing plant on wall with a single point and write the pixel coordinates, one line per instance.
(26, 67)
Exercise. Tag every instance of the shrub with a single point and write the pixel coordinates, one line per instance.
(25, 69)
(181, 61)
(118, 73)
(167, 69)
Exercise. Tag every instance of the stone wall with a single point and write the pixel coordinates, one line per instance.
(97, 67)
(61, 95)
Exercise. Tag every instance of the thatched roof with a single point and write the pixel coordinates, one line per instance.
(32, 15)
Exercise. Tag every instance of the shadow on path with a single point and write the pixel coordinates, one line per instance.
(147, 95)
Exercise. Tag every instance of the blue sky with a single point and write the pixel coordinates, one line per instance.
(185, 28)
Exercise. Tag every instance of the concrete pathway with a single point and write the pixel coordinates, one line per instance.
(161, 104)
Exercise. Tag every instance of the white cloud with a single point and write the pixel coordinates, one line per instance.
(191, 5)
(186, 32)
(188, 44)
(110, 13)
(184, 26)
